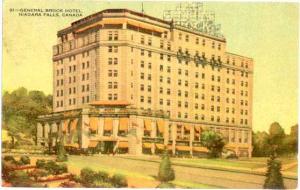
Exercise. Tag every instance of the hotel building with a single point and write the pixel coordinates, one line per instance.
(127, 82)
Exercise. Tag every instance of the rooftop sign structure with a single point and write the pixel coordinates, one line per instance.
(193, 16)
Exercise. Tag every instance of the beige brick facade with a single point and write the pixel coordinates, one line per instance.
(121, 55)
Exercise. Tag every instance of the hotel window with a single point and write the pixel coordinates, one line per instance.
(185, 115)
(212, 118)
(61, 103)
(219, 79)
(116, 37)
(169, 80)
(197, 40)
(219, 46)
(74, 67)
(202, 117)
(180, 36)
(179, 114)
(186, 38)
(74, 101)
(110, 49)
(227, 120)
(149, 54)
(142, 52)
(161, 56)
(186, 105)
(233, 91)
(202, 106)
(110, 37)
(62, 81)
(202, 96)
(168, 102)
(149, 76)
(196, 95)
(232, 110)
(142, 64)
(109, 85)
(115, 85)
(232, 120)
(196, 74)
(142, 39)
(212, 88)
(179, 82)
(218, 119)
(70, 70)
(87, 88)
(115, 73)
(70, 79)
(179, 71)
(149, 88)
(149, 100)
(142, 87)
(242, 121)
(110, 73)
(246, 65)
(218, 89)
(160, 90)
(218, 108)
(227, 100)
(115, 61)
(168, 91)
(233, 81)
(161, 101)
(203, 42)
(218, 98)
(186, 83)
(161, 44)
(196, 85)
(186, 94)
(186, 73)
(233, 100)
(213, 45)
(169, 58)
(74, 90)
(87, 99)
(142, 99)
(196, 106)
(110, 61)
(227, 90)
(161, 79)
(150, 42)
(196, 117)
(169, 46)
(179, 93)
(246, 84)
(161, 67)
(149, 66)
(246, 103)
(203, 86)
(168, 69)
(82, 100)
(212, 98)
(212, 77)
(115, 96)
(57, 93)
(227, 110)
(142, 76)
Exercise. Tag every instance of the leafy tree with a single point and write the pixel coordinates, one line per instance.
(276, 137)
(119, 180)
(260, 142)
(213, 142)
(293, 142)
(61, 152)
(166, 172)
(274, 178)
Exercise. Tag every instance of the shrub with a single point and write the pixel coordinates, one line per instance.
(119, 180)
(87, 176)
(102, 176)
(70, 184)
(9, 158)
(7, 166)
(61, 153)
(36, 173)
(20, 179)
(75, 178)
(166, 185)
(100, 184)
(25, 160)
(165, 173)
(62, 168)
(40, 163)
(274, 178)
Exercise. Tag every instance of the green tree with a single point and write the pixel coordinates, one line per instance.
(260, 142)
(274, 178)
(166, 172)
(61, 152)
(276, 137)
(213, 142)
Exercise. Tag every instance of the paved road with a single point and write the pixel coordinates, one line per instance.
(196, 175)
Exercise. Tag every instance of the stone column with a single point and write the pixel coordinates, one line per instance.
(192, 131)
(39, 132)
(115, 127)
(101, 127)
(46, 130)
(174, 134)
(166, 132)
(153, 134)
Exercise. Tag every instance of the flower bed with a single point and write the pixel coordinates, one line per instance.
(51, 178)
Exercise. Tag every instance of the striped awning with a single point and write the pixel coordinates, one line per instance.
(65, 126)
(146, 145)
(200, 149)
(160, 146)
(187, 127)
(74, 125)
(123, 144)
(93, 123)
(108, 124)
(161, 125)
(182, 148)
(93, 144)
(148, 125)
(123, 124)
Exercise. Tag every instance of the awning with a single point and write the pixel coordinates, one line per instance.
(160, 146)
(146, 145)
(93, 123)
(182, 148)
(65, 126)
(74, 125)
(93, 144)
(200, 149)
(123, 124)
(170, 147)
(123, 144)
(197, 128)
(161, 125)
(148, 125)
(108, 124)
(187, 127)
(74, 145)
